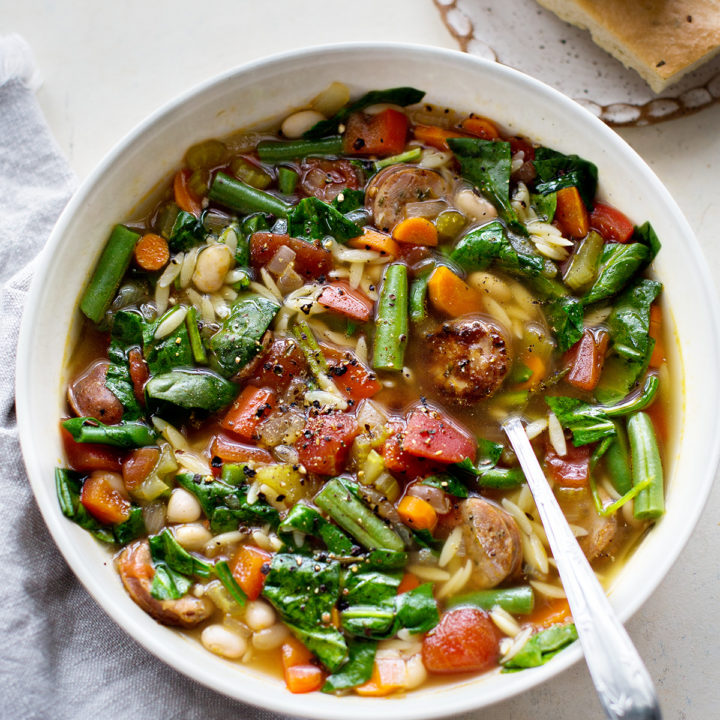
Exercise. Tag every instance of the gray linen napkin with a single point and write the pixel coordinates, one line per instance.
(60, 655)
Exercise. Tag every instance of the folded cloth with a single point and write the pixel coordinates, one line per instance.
(61, 656)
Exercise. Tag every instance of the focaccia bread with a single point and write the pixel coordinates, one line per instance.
(661, 39)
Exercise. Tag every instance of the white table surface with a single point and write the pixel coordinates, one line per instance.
(107, 65)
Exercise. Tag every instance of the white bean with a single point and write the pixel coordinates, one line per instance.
(192, 536)
(474, 206)
(271, 637)
(297, 124)
(259, 615)
(221, 641)
(416, 672)
(212, 265)
(183, 507)
(331, 99)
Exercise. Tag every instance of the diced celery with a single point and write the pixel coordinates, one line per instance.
(388, 486)
(372, 468)
(222, 599)
(584, 263)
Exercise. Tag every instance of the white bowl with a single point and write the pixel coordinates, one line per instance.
(271, 88)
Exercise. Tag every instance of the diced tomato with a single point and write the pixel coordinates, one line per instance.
(139, 374)
(381, 134)
(480, 127)
(138, 465)
(304, 678)
(354, 379)
(399, 462)
(311, 260)
(247, 412)
(571, 215)
(326, 179)
(86, 457)
(249, 568)
(611, 223)
(586, 359)
(465, 640)
(409, 582)
(341, 298)
(102, 498)
(325, 443)
(572, 470)
(283, 361)
(432, 435)
(231, 451)
(518, 143)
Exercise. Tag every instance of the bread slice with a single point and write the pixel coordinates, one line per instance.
(660, 39)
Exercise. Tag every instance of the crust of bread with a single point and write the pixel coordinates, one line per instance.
(660, 39)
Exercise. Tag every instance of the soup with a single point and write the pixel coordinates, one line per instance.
(286, 404)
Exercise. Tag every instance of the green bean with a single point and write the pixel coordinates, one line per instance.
(313, 353)
(418, 293)
(243, 198)
(637, 402)
(617, 460)
(391, 325)
(518, 600)
(501, 478)
(123, 435)
(646, 465)
(196, 343)
(356, 518)
(273, 151)
(111, 267)
(222, 570)
(287, 180)
(407, 156)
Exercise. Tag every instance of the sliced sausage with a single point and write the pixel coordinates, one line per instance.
(579, 510)
(325, 179)
(492, 541)
(136, 571)
(391, 189)
(467, 360)
(89, 396)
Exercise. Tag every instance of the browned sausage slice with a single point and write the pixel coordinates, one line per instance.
(325, 179)
(136, 571)
(492, 541)
(467, 360)
(89, 397)
(391, 189)
(579, 510)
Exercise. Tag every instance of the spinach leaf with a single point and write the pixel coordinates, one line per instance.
(128, 328)
(187, 231)
(68, 486)
(304, 590)
(168, 584)
(487, 165)
(374, 621)
(588, 423)
(417, 610)
(396, 96)
(312, 219)
(302, 518)
(387, 559)
(618, 378)
(122, 435)
(448, 483)
(118, 381)
(165, 548)
(195, 389)
(358, 668)
(556, 171)
(348, 200)
(226, 505)
(565, 317)
(369, 586)
(629, 322)
(479, 248)
(239, 339)
(545, 205)
(620, 263)
(485, 472)
(543, 646)
(646, 235)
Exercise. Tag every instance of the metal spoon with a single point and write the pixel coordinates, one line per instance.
(620, 677)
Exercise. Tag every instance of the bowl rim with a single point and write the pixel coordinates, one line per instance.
(292, 704)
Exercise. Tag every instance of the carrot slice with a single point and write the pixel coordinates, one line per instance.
(387, 676)
(417, 513)
(377, 241)
(451, 295)
(658, 354)
(480, 126)
(152, 252)
(537, 366)
(248, 411)
(409, 582)
(552, 612)
(231, 451)
(184, 197)
(435, 136)
(247, 569)
(102, 500)
(571, 213)
(417, 231)
(293, 652)
(304, 678)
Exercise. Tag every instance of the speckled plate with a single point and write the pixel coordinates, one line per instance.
(523, 35)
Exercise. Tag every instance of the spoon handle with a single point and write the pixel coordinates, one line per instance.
(620, 677)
